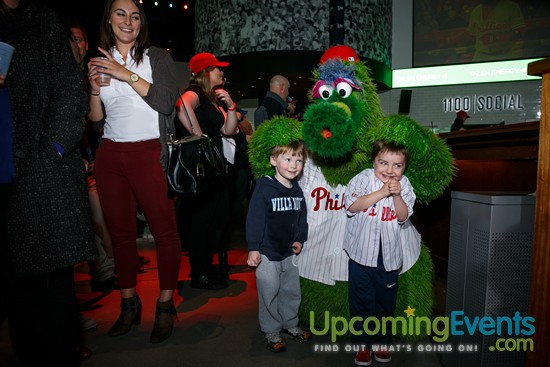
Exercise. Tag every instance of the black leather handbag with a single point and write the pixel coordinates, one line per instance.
(194, 164)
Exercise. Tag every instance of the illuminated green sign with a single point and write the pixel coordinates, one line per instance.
(488, 72)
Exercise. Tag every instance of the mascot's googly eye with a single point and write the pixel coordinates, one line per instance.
(325, 91)
(344, 89)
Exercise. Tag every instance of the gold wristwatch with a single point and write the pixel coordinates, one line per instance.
(133, 78)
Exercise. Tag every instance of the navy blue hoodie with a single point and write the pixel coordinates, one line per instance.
(276, 218)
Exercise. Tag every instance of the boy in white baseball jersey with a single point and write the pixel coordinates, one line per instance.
(378, 200)
(276, 229)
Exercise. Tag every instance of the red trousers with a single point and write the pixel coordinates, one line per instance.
(130, 175)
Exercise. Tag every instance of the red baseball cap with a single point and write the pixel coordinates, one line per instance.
(204, 60)
(342, 52)
(462, 113)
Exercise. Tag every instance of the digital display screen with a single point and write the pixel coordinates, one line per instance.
(459, 32)
(487, 72)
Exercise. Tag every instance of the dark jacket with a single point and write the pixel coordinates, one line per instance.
(48, 212)
(272, 105)
(277, 218)
(458, 124)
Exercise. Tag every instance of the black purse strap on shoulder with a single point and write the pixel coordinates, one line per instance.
(187, 114)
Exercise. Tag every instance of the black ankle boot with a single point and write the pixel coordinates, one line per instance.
(130, 314)
(223, 262)
(164, 321)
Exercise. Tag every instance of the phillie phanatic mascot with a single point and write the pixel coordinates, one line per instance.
(340, 125)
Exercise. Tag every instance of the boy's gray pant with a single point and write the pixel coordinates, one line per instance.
(279, 294)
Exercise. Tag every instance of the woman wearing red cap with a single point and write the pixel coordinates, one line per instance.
(201, 111)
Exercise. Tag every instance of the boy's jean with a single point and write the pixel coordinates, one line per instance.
(371, 292)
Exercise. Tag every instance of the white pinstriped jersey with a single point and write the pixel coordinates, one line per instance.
(322, 258)
(366, 230)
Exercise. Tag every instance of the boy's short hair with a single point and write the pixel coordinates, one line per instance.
(380, 146)
(297, 148)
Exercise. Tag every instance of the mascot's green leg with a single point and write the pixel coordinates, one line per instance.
(321, 302)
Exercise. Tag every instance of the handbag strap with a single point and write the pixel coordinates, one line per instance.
(187, 114)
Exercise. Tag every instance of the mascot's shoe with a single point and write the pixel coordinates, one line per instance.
(363, 358)
(164, 321)
(130, 314)
(274, 342)
(298, 334)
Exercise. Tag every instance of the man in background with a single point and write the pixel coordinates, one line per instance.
(79, 43)
(275, 101)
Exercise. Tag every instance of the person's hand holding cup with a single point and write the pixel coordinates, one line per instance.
(103, 79)
(97, 77)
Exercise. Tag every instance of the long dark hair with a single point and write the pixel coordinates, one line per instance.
(202, 79)
(107, 37)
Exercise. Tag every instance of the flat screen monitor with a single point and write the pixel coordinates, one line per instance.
(460, 32)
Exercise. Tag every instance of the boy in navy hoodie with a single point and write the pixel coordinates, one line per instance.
(276, 229)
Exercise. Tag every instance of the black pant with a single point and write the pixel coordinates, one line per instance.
(43, 319)
(205, 216)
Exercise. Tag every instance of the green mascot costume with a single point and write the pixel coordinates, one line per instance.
(340, 125)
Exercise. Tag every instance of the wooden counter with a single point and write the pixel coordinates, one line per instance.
(515, 141)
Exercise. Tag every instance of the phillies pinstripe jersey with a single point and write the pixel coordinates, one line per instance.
(377, 225)
(322, 258)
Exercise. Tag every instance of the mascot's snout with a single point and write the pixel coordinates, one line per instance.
(329, 129)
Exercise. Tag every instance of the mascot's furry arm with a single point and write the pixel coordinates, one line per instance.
(340, 125)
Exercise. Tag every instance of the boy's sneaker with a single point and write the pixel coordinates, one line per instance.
(382, 356)
(274, 342)
(298, 334)
(363, 358)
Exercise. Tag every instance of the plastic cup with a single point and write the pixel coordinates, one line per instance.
(103, 80)
(6, 52)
